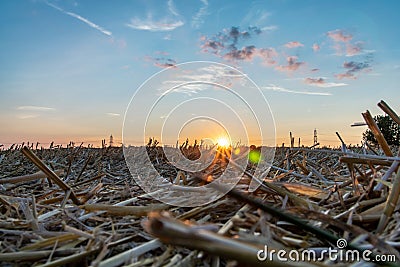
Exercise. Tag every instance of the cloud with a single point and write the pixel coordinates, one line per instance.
(27, 116)
(352, 50)
(111, 114)
(345, 75)
(148, 24)
(293, 44)
(198, 18)
(320, 82)
(35, 108)
(161, 62)
(284, 90)
(30, 112)
(85, 20)
(356, 66)
(268, 55)
(339, 36)
(212, 46)
(269, 28)
(228, 39)
(292, 65)
(225, 45)
(246, 53)
(171, 8)
(257, 16)
(353, 68)
(344, 45)
(195, 81)
(316, 47)
(165, 63)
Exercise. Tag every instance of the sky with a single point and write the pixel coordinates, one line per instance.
(69, 69)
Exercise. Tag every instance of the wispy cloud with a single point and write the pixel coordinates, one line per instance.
(292, 65)
(284, 90)
(27, 116)
(269, 28)
(255, 16)
(111, 114)
(347, 75)
(30, 112)
(85, 20)
(316, 47)
(198, 18)
(35, 108)
(268, 55)
(149, 24)
(195, 81)
(339, 36)
(165, 63)
(161, 62)
(293, 44)
(321, 82)
(344, 44)
(172, 8)
(353, 50)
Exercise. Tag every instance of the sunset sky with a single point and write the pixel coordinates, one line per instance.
(69, 68)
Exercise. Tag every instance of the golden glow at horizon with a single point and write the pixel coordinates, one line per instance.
(223, 142)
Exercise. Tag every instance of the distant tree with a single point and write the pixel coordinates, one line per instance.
(389, 128)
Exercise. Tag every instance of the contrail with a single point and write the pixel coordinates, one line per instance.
(88, 22)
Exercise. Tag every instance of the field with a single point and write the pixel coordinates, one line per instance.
(98, 216)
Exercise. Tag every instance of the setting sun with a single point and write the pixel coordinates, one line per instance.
(223, 142)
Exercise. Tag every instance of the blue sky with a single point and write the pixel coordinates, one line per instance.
(69, 68)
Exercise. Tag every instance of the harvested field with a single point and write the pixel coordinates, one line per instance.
(79, 206)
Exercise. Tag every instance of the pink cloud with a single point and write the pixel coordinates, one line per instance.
(293, 44)
(352, 50)
(246, 53)
(345, 75)
(314, 80)
(268, 55)
(340, 36)
(316, 47)
(292, 65)
(320, 82)
(165, 65)
(211, 46)
(353, 68)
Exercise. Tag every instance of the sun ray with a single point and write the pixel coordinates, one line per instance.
(223, 142)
